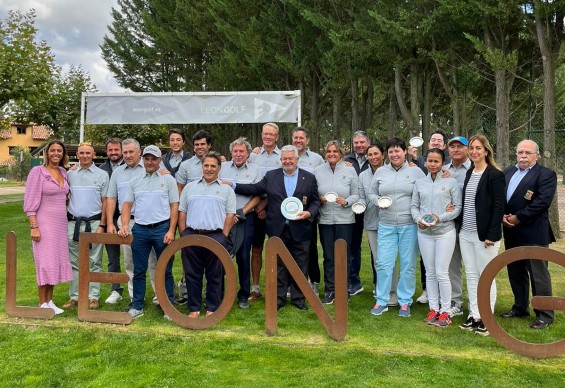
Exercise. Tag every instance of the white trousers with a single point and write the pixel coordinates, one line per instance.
(475, 258)
(436, 252)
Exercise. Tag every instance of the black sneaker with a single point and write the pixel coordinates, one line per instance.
(243, 304)
(328, 298)
(469, 324)
(481, 329)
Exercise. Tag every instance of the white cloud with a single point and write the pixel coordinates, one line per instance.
(73, 29)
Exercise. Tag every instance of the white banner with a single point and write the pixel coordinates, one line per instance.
(193, 108)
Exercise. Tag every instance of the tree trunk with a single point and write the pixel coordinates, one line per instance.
(427, 114)
(314, 114)
(354, 105)
(414, 100)
(392, 116)
(406, 115)
(369, 104)
(337, 113)
(502, 118)
(549, 53)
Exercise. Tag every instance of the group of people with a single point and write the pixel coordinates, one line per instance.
(451, 205)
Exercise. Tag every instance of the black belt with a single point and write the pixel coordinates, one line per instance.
(79, 220)
(153, 225)
(203, 231)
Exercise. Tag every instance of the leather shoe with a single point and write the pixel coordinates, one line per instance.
(514, 314)
(70, 304)
(539, 324)
(300, 306)
(93, 304)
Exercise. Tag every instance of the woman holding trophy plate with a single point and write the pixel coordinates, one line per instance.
(338, 189)
(436, 202)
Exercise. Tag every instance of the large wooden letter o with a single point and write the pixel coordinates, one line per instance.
(229, 296)
(540, 302)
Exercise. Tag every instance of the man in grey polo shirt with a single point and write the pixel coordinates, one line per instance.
(191, 169)
(116, 194)
(88, 185)
(241, 237)
(268, 158)
(206, 207)
(156, 198)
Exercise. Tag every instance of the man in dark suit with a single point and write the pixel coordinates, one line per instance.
(279, 184)
(530, 188)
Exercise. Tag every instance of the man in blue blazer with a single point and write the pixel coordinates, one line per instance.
(279, 184)
(530, 188)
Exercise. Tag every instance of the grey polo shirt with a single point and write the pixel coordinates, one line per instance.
(371, 214)
(189, 171)
(206, 204)
(88, 187)
(119, 183)
(460, 172)
(266, 161)
(309, 160)
(174, 161)
(246, 174)
(345, 183)
(152, 195)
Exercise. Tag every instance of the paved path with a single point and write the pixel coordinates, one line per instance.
(11, 191)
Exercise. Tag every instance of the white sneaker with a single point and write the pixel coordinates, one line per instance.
(423, 299)
(44, 306)
(455, 310)
(393, 299)
(55, 308)
(155, 301)
(114, 298)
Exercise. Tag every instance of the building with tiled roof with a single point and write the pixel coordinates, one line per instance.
(21, 135)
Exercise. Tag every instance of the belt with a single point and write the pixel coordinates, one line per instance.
(203, 231)
(153, 225)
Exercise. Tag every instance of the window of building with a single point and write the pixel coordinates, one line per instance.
(21, 130)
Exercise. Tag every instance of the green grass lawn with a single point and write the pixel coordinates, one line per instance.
(377, 351)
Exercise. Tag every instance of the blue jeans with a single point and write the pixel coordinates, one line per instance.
(393, 240)
(145, 238)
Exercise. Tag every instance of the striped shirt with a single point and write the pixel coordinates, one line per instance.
(152, 195)
(469, 214)
(88, 187)
(246, 174)
(119, 182)
(206, 204)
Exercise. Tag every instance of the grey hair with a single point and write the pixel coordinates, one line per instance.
(241, 141)
(290, 148)
(131, 141)
(361, 133)
(272, 125)
(536, 147)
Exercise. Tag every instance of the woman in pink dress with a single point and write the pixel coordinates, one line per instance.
(45, 203)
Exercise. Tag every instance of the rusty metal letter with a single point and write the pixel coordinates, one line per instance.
(275, 248)
(11, 270)
(229, 296)
(85, 277)
(539, 302)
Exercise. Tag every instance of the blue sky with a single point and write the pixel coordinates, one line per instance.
(73, 29)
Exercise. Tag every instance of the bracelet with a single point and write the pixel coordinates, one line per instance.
(102, 226)
(33, 226)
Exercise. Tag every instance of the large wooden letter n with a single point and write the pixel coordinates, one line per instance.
(275, 248)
